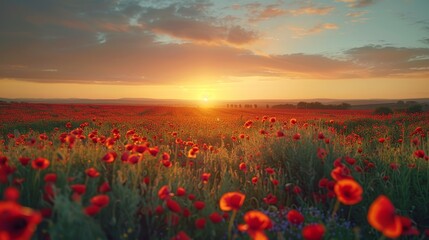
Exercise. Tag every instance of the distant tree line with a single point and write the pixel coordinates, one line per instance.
(245, 106)
(313, 105)
(401, 106)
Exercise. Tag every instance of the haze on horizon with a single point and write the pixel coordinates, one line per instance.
(214, 50)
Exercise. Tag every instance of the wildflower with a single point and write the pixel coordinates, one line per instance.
(78, 188)
(313, 232)
(181, 236)
(348, 191)
(255, 224)
(50, 178)
(109, 157)
(242, 167)
(205, 177)
(280, 134)
(17, 222)
(100, 200)
(92, 210)
(231, 201)
(40, 163)
(293, 121)
(270, 199)
(296, 136)
(382, 217)
(199, 205)
(159, 210)
(11, 194)
(173, 206)
(254, 180)
(248, 124)
(92, 172)
(407, 227)
(200, 223)
(419, 153)
(180, 192)
(295, 217)
(340, 173)
(215, 217)
(24, 160)
(321, 153)
(163, 192)
(269, 170)
(186, 212)
(105, 187)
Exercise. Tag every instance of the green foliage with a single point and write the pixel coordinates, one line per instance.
(383, 111)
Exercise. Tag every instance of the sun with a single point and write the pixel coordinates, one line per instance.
(205, 99)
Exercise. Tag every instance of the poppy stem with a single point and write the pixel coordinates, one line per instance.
(231, 222)
(382, 237)
(336, 207)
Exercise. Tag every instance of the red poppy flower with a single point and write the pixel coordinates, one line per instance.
(407, 227)
(254, 180)
(186, 212)
(313, 232)
(205, 177)
(293, 121)
(215, 217)
(17, 222)
(255, 224)
(109, 157)
(92, 210)
(242, 166)
(419, 153)
(40, 163)
(295, 217)
(248, 124)
(270, 199)
(199, 205)
(159, 210)
(163, 192)
(11, 194)
(180, 192)
(78, 188)
(173, 206)
(50, 177)
(181, 236)
(100, 200)
(92, 172)
(296, 136)
(200, 223)
(269, 170)
(348, 191)
(340, 172)
(24, 160)
(231, 201)
(381, 216)
(105, 187)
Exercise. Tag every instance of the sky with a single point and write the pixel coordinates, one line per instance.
(214, 50)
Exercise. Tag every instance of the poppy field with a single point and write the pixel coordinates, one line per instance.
(147, 172)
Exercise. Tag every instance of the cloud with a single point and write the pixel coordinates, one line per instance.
(425, 40)
(384, 61)
(195, 26)
(299, 32)
(259, 12)
(358, 3)
(312, 11)
(356, 14)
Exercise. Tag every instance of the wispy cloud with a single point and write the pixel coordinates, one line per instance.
(260, 12)
(299, 32)
(358, 3)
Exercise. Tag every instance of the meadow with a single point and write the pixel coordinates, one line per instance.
(147, 172)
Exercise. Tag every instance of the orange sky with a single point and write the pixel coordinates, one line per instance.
(344, 49)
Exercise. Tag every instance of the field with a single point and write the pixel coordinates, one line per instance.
(147, 172)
